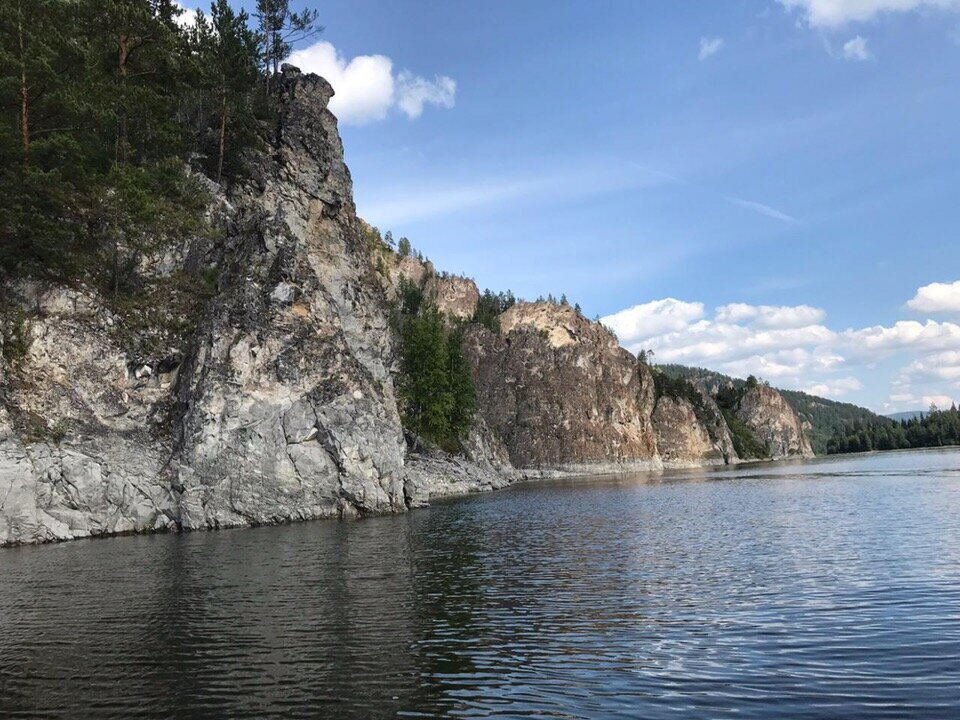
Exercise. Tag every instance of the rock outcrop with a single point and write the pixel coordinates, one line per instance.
(773, 422)
(278, 406)
(686, 438)
(561, 394)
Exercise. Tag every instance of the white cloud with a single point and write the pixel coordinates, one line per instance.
(187, 18)
(761, 208)
(941, 401)
(789, 345)
(937, 298)
(878, 340)
(834, 388)
(414, 92)
(837, 13)
(709, 46)
(640, 322)
(770, 316)
(856, 49)
(366, 88)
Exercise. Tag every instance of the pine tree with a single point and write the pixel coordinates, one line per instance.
(280, 28)
(228, 55)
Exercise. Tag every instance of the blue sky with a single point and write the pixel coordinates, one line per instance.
(754, 186)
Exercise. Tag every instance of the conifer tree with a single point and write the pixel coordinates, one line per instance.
(280, 28)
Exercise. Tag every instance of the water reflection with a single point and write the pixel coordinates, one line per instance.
(816, 590)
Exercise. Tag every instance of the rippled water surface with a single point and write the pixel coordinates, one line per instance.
(829, 589)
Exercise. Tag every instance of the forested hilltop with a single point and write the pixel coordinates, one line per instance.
(115, 111)
(838, 427)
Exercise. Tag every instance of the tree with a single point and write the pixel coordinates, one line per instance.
(280, 29)
(403, 247)
(228, 51)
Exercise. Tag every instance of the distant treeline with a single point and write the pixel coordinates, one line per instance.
(936, 428)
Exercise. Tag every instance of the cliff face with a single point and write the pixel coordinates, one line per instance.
(685, 439)
(773, 422)
(279, 406)
(270, 397)
(561, 394)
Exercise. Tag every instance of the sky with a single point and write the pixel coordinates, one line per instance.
(754, 186)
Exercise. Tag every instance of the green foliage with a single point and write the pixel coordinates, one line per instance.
(490, 306)
(280, 28)
(435, 387)
(14, 333)
(744, 441)
(225, 53)
(403, 247)
(829, 419)
(936, 428)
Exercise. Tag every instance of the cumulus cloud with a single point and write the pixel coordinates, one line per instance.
(937, 298)
(367, 88)
(709, 46)
(770, 316)
(790, 345)
(640, 322)
(187, 18)
(834, 388)
(856, 49)
(832, 14)
(879, 340)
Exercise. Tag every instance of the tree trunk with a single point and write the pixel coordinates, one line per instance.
(123, 53)
(24, 94)
(223, 133)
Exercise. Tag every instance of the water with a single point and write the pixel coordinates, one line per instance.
(828, 589)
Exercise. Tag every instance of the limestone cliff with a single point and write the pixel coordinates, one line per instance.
(773, 422)
(689, 435)
(561, 393)
(278, 406)
(263, 392)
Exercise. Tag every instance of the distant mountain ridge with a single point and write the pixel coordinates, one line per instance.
(906, 415)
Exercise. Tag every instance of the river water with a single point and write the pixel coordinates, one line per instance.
(825, 589)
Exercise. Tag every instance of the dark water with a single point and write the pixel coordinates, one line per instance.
(829, 589)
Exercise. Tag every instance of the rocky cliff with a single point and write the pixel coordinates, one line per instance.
(690, 435)
(278, 405)
(264, 391)
(773, 422)
(560, 392)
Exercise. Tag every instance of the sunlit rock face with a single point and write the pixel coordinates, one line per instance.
(279, 406)
(561, 394)
(686, 440)
(774, 423)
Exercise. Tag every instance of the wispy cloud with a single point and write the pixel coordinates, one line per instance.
(856, 49)
(709, 46)
(837, 13)
(759, 207)
(442, 196)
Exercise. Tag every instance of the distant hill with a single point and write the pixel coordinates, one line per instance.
(825, 418)
(907, 415)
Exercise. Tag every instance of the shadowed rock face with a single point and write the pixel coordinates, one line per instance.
(561, 394)
(773, 422)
